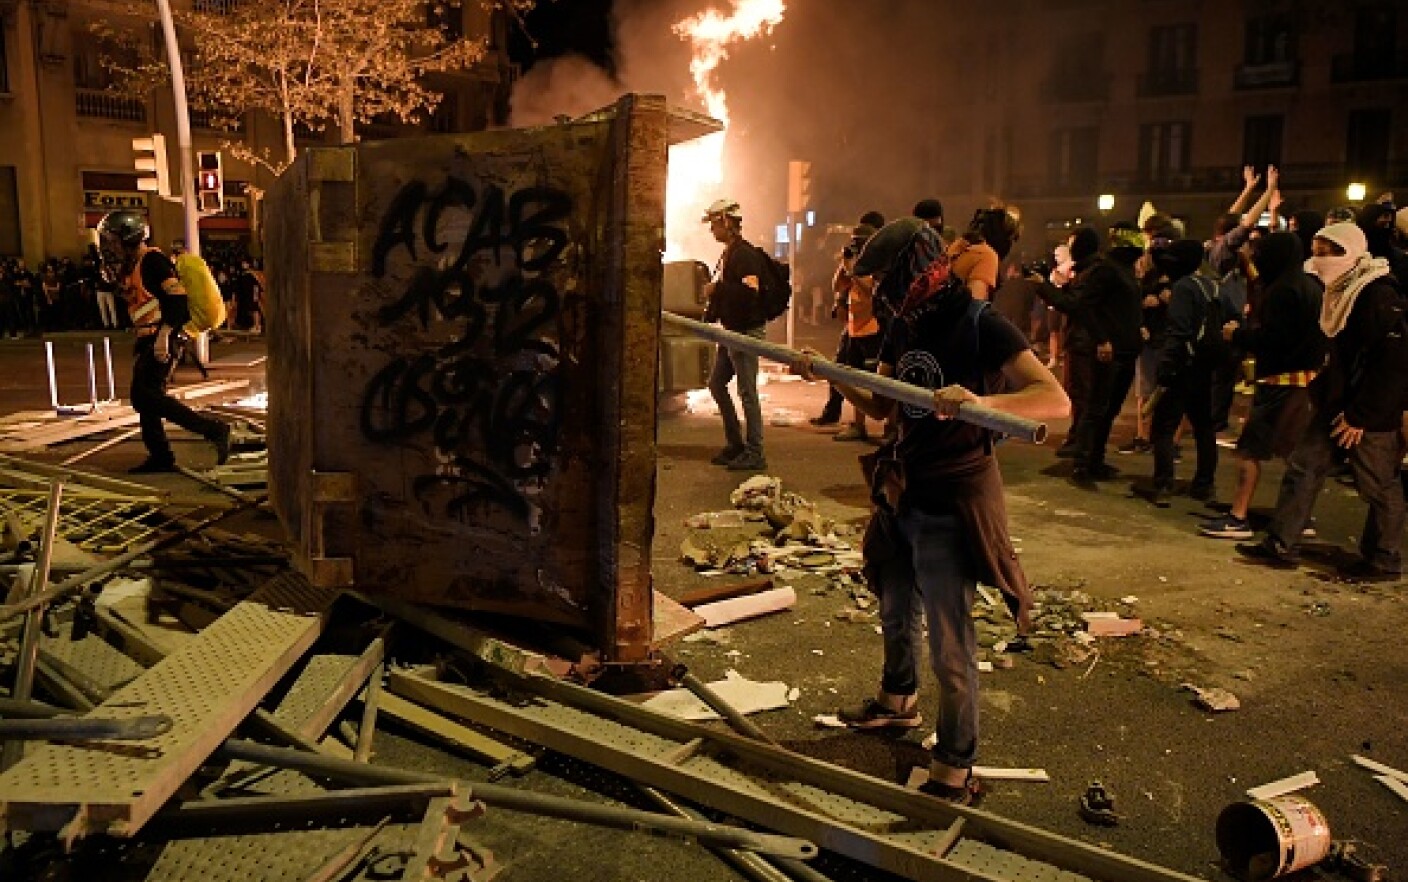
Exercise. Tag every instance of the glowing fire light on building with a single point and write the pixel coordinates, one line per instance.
(697, 167)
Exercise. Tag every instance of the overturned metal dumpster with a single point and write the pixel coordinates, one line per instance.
(462, 366)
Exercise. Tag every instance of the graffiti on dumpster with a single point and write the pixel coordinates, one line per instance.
(490, 399)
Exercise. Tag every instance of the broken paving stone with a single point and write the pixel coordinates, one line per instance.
(854, 615)
(1004, 662)
(714, 520)
(814, 559)
(1215, 698)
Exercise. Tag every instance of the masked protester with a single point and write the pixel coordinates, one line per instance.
(1358, 406)
(156, 304)
(1285, 339)
(940, 521)
(1193, 349)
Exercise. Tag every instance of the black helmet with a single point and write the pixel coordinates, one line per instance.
(117, 232)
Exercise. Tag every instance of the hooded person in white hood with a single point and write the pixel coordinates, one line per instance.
(1358, 401)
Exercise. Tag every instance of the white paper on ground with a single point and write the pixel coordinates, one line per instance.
(743, 695)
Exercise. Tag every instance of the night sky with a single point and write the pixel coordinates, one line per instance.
(566, 26)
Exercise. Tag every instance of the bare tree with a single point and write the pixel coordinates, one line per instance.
(311, 63)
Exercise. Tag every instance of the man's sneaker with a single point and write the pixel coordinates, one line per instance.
(1138, 445)
(1103, 471)
(221, 440)
(1202, 492)
(1066, 451)
(851, 433)
(1363, 571)
(874, 715)
(1227, 527)
(727, 455)
(825, 419)
(1309, 531)
(955, 794)
(748, 461)
(153, 466)
(1268, 551)
(1080, 476)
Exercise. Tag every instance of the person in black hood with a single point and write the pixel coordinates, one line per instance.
(1305, 224)
(1102, 344)
(1193, 348)
(1284, 337)
(1377, 223)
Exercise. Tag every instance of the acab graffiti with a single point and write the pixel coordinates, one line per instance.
(490, 399)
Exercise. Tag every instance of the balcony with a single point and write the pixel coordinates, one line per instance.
(1272, 75)
(102, 104)
(217, 7)
(205, 119)
(1335, 175)
(1165, 83)
(1368, 67)
(1075, 89)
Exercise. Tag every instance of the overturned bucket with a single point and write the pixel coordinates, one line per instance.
(1266, 838)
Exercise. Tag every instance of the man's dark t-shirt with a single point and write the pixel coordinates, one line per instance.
(935, 348)
(156, 269)
(739, 306)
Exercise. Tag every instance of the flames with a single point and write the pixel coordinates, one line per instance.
(696, 167)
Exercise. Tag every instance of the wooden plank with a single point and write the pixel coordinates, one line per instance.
(207, 688)
(715, 593)
(672, 620)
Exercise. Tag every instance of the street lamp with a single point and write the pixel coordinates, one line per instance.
(1356, 192)
(1106, 202)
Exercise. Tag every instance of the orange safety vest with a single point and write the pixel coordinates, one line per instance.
(142, 306)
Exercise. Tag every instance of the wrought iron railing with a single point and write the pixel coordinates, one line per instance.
(102, 104)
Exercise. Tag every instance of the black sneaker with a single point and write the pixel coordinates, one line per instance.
(221, 440)
(1270, 552)
(153, 466)
(954, 794)
(1202, 492)
(727, 455)
(1363, 571)
(874, 715)
(1103, 472)
(825, 419)
(1080, 477)
(1138, 445)
(748, 461)
(1066, 451)
(1227, 527)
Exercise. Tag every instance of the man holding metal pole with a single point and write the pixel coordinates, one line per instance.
(940, 521)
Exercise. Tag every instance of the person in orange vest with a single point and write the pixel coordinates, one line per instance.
(156, 304)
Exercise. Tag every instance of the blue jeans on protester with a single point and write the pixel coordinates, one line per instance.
(934, 579)
(728, 364)
(1374, 462)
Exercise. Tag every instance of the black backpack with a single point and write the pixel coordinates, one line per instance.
(774, 286)
(1208, 345)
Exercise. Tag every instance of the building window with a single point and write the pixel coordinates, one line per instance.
(1366, 143)
(1173, 61)
(1164, 150)
(9, 212)
(1269, 40)
(4, 61)
(1073, 162)
(1261, 140)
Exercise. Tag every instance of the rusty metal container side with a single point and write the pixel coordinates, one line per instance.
(464, 334)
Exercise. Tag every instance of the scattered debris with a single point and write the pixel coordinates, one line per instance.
(829, 721)
(756, 493)
(1285, 785)
(919, 775)
(1097, 806)
(726, 612)
(1215, 699)
(1345, 860)
(1109, 624)
(744, 695)
(1371, 765)
(715, 520)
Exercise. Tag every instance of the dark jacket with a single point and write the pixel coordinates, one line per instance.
(1187, 312)
(1103, 302)
(736, 305)
(1366, 376)
(1285, 334)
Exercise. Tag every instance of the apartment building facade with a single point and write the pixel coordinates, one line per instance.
(66, 154)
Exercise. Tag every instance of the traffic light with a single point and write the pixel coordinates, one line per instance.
(210, 182)
(151, 157)
(799, 186)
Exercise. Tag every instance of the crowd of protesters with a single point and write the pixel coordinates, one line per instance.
(1302, 311)
(61, 294)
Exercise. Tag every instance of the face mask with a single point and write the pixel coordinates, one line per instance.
(1330, 267)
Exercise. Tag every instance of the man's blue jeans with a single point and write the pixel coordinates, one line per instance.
(727, 364)
(934, 579)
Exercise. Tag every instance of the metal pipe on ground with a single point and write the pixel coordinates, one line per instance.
(746, 863)
(513, 799)
(917, 396)
(85, 729)
(741, 724)
(28, 657)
